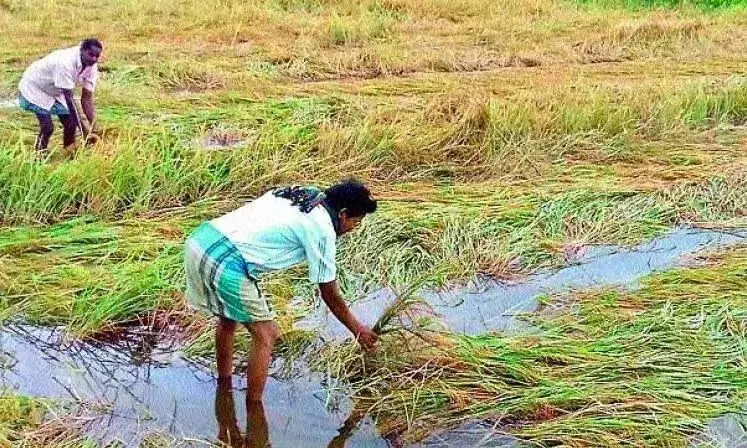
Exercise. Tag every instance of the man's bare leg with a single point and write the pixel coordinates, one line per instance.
(264, 335)
(69, 129)
(46, 128)
(224, 336)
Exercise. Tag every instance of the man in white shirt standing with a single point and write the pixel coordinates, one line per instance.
(225, 257)
(47, 86)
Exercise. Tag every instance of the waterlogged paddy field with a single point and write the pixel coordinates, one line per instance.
(503, 138)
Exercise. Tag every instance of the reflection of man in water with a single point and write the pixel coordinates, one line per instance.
(257, 433)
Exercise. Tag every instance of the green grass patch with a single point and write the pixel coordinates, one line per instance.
(90, 274)
(154, 159)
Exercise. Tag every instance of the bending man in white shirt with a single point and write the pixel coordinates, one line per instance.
(225, 257)
(47, 86)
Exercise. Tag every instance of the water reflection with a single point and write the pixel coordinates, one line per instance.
(257, 434)
(141, 389)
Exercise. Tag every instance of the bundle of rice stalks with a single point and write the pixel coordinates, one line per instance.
(404, 331)
(396, 315)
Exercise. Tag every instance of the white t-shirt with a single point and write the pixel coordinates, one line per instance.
(43, 80)
(272, 234)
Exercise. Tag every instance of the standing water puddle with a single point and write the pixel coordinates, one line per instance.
(477, 311)
(491, 305)
(150, 389)
(8, 104)
(147, 387)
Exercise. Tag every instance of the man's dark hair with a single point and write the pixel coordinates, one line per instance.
(91, 42)
(351, 195)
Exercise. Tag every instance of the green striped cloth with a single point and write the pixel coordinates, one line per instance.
(218, 281)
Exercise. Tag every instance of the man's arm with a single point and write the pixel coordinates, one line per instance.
(333, 298)
(89, 108)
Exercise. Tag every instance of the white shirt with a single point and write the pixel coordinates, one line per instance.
(43, 80)
(272, 234)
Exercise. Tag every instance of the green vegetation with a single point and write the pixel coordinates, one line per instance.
(298, 141)
(91, 274)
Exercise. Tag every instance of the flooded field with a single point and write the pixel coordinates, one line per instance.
(487, 305)
(143, 388)
(141, 384)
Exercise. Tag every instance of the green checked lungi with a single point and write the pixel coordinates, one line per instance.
(218, 280)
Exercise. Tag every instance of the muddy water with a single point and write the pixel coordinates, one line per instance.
(149, 387)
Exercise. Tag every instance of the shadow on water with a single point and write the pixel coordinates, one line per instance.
(147, 386)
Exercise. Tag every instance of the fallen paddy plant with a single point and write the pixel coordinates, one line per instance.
(296, 142)
(649, 367)
(406, 301)
(34, 423)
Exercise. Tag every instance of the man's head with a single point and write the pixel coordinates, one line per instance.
(352, 201)
(90, 51)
